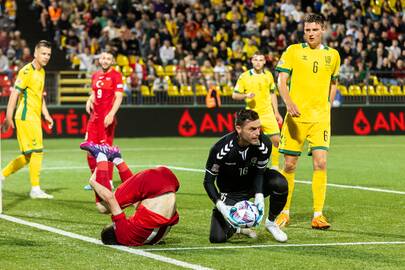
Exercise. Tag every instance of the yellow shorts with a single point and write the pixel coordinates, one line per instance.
(294, 134)
(29, 136)
(269, 124)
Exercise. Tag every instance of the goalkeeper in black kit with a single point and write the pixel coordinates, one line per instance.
(238, 165)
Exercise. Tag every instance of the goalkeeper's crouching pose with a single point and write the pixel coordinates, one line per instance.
(238, 164)
(152, 192)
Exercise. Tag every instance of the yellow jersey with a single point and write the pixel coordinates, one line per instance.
(30, 83)
(311, 72)
(261, 85)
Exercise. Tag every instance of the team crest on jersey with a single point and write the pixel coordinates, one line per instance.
(253, 160)
(304, 57)
(328, 60)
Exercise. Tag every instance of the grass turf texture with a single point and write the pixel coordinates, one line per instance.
(356, 215)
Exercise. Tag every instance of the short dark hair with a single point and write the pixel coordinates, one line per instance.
(112, 52)
(258, 53)
(43, 43)
(315, 18)
(244, 115)
(108, 235)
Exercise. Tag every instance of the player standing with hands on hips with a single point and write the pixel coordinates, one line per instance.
(307, 83)
(28, 97)
(238, 165)
(102, 105)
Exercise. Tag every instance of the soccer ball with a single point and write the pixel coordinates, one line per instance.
(245, 214)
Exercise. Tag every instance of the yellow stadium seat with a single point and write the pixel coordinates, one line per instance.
(355, 90)
(172, 90)
(159, 70)
(395, 90)
(126, 71)
(186, 90)
(227, 90)
(200, 90)
(343, 90)
(382, 90)
(169, 81)
(374, 80)
(170, 70)
(75, 61)
(368, 90)
(145, 91)
(122, 60)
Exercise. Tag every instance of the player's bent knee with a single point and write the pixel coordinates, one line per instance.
(281, 184)
(215, 239)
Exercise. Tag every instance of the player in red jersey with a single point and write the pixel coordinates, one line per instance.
(103, 104)
(151, 191)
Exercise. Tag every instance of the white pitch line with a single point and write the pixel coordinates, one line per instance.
(307, 182)
(278, 246)
(138, 252)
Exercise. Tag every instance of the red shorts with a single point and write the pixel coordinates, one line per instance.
(145, 185)
(144, 228)
(97, 133)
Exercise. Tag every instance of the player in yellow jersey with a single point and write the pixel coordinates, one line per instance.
(307, 84)
(28, 91)
(256, 86)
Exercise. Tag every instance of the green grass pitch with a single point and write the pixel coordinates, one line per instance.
(357, 215)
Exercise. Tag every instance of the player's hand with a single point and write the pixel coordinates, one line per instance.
(49, 120)
(259, 202)
(226, 213)
(292, 109)
(109, 118)
(279, 118)
(8, 122)
(89, 106)
(250, 95)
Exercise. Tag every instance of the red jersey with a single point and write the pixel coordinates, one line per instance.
(104, 86)
(145, 226)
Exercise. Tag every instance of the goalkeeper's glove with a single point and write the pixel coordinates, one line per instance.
(259, 202)
(226, 213)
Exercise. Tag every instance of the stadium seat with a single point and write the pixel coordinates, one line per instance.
(122, 60)
(382, 90)
(159, 70)
(170, 70)
(355, 90)
(186, 90)
(126, 71)
(368, 90)
(227, 90)
(343, 90)
(374, 80)
(172, 90)
(395, 90)
(169, 81)
(200, 90)
(145, 91)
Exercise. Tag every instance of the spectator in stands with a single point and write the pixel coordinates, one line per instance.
(160, 87)
(167, 53)
(399, 72)
(181, 73)
(386, 72)
(222, 73)
(346, 72)
(150, 72)
(4, 65)
(54, 12)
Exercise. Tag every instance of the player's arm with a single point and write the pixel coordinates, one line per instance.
(12, 101)
(46, 114)
(332, 91)
(211, 173)
(292, 108)
(109, 118)
(90, 102)
(106, 195)
(239, 89)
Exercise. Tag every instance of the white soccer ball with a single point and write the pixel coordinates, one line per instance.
(245, 213)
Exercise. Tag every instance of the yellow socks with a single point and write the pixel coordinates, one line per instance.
(35, 167)
(290, 179)
(15, 165)
(274, 156)
(319, 179)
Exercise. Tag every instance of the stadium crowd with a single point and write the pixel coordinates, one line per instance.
(211, 41)
(14, 50)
